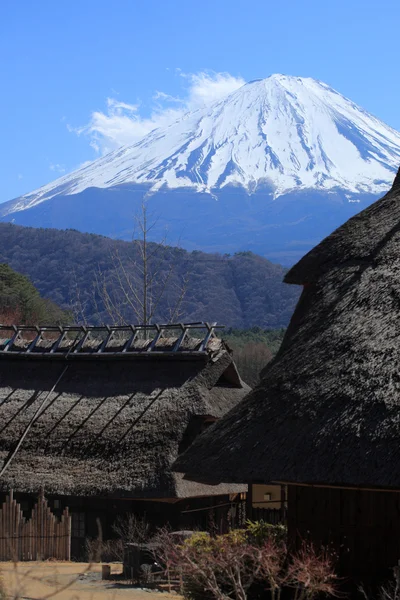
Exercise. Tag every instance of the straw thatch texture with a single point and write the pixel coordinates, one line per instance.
(112, 426)
(327, 410)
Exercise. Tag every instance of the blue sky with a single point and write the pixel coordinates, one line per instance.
(80, 77)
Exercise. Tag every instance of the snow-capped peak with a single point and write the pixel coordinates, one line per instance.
(284, 132)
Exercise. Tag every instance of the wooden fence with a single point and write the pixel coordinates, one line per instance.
(41, 537)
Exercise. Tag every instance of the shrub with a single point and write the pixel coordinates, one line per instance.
(246, 563)
(224, 566)
(311, 573)
(200, 540)
(260, 532)
(132, 529)
(104, 551)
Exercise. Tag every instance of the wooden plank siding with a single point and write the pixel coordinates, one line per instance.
(362, 528)
(274, 516)
(41, 537)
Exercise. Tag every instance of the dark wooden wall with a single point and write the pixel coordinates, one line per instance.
(210, 513)
(361, 527)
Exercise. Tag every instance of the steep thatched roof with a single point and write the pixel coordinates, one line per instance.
(327, 410)
(115, 422)
(359, 239)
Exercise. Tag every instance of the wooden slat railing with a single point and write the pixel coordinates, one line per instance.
(41, 537)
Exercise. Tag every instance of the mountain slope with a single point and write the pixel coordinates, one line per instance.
(285, 155)
(71, 269)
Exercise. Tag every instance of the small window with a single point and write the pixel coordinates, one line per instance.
(56, 504)
(268, 496)
(78, 528)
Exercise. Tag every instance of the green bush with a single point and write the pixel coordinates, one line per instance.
(256, 533)
(252, 563)
(259, 532)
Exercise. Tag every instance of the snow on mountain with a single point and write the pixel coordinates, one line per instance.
(286, 133)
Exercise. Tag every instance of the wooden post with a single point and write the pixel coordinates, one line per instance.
(105, 572)
(11, 521)
(283, 504)
(68, 534)
(3, 531)
(249, 501)
(33, 533)
(39, 527)
(30, 545)
(57, 545)
(51, 535)
(18, 517)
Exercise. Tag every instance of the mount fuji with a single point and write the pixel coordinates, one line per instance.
(273, 168)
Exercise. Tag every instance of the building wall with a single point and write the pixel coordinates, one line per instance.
(94, 516)
(266, 496)
(360, 528)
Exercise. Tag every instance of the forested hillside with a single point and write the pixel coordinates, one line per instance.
(94, 275)
(253, 349)
(20, 302)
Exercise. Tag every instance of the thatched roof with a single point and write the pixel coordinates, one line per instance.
(359, 239)
(115, 421)
(327, 410)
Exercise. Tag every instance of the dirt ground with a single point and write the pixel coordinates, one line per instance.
(70, 581)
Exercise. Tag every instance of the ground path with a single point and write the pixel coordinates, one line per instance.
(69, 581)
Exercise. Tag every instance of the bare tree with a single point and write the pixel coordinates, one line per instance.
(227, 567)
(78, 303)
(132, 529)
(144, 285)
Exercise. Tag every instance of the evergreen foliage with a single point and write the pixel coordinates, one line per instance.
(253, 349)
(238, 338)
(20, 302)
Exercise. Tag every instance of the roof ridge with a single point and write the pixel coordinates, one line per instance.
(109, 340)
(396, 182)
(359, 238)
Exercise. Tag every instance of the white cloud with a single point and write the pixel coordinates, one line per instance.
(206, 88)
(85, 163)
(122, 123)
(57, 168)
